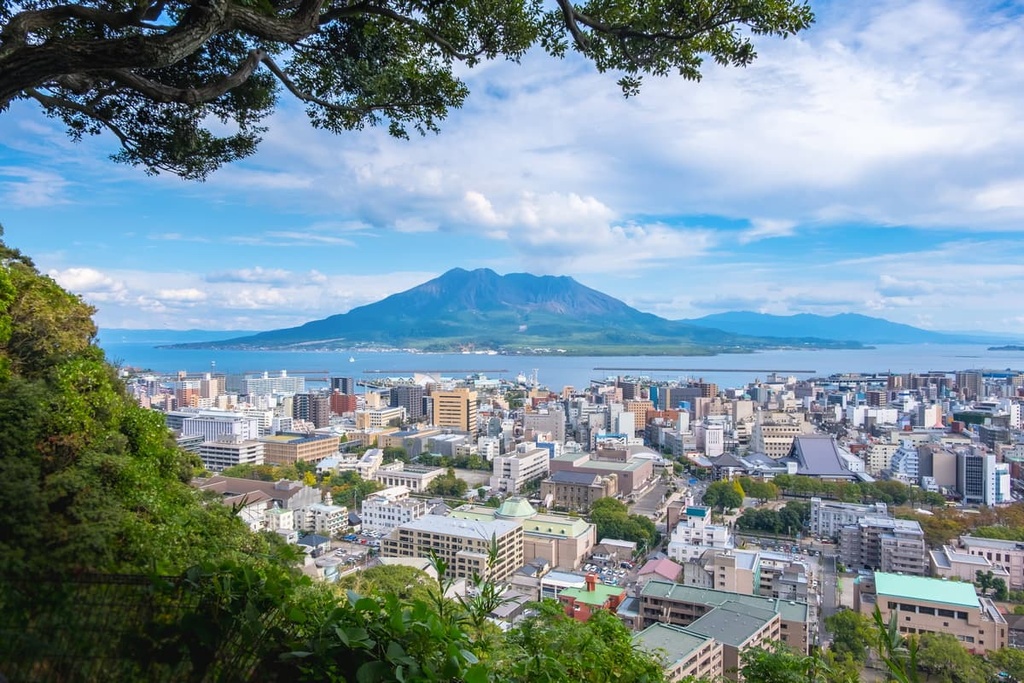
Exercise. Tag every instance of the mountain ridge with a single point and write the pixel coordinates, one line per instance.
(520, 311)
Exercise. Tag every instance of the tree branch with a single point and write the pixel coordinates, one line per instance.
(569, 14)
(158, 92)
(301, 94)
(29, 66)
(430, 33)
(62, 103)
(304, 22)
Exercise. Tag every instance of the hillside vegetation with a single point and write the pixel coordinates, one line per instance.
(113, 568)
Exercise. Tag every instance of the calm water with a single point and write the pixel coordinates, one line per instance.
(558, 371)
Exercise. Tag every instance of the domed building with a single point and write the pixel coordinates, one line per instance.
(562, 540)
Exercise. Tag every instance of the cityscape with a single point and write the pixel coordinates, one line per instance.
(767, 509)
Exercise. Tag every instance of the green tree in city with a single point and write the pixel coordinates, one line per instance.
(448, 485)
(942, 655)
(852, 634)
(1008, 660)
(612, 519)
(724, 495)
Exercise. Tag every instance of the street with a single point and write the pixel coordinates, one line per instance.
(828, 594)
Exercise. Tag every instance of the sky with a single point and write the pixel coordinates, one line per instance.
(873, 164)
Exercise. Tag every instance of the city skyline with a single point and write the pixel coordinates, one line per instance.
(860, 167)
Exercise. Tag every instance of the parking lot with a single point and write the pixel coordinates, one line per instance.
(613, 576)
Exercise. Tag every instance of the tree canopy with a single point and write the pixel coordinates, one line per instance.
(184, 85)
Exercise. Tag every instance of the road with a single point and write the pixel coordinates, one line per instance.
(829, 591)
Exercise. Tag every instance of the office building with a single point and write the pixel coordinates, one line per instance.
(282, 383)
(384, 510)
(456, 408)
(288, 449)
(514, 471)
(1006, 554)
(343, 385)
(230, 450)
(410, 397)
(926, 605)
(211, 424)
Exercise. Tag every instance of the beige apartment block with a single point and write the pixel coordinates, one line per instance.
(926, 605)
(1006, 554)
(464, 544)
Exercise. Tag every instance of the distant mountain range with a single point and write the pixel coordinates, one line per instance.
(527, 313)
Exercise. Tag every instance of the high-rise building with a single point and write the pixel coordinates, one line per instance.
(346, 385)
(456, 408)
(410, 397)
(970, 384)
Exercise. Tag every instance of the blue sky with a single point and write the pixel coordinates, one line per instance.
(874, 164)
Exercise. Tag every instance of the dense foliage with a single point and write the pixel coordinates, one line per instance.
(791, 519)
(612, 519)
(448, 484)
(724, 495)
(890, 492)
(165, 76)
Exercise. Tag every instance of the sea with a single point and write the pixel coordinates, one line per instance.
(557, 371)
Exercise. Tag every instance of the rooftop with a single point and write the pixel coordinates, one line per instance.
(818, 456)
(672, 643)
(580, 478)
(926, 589)
(995, 543)
(481, 530)
(732, 623)
(601, 594)
(789, 610)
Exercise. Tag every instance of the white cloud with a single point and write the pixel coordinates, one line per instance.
(31, 187)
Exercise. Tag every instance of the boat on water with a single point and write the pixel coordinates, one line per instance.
(351, 359)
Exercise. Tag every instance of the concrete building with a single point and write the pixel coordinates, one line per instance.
(414, 477)
(738, 626)
(773, 434)
(559, 540)
(548, 419)
(290, 495)
(212, 424)
(230, 450)
(631, 473)
(949, 562)
(322, 518)
(736, 571)
(1006, 554)
(884, 544)
(384, 510)
(257, 385)
(514, 471)
(926, 605)
(456, 408)
(694, 534)
(828, 518)
(464, 544)
(410, 397)
(379, 418)
(576, 491)
(683, 655)
(672, 603)
(288, 449)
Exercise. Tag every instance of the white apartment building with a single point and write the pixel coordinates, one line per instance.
(388, 509)
(694, 535)
(230, 450)
(513, 471)
(414, 477)
(828, 518)
(879, 457)
(488, 447)
(211, 424)
(323, 519)
(255, 385)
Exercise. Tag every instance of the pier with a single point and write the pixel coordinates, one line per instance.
(780, 372)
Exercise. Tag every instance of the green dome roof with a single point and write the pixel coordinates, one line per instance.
(516, 507)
